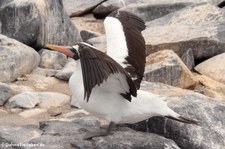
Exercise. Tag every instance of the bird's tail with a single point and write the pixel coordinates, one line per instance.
(185, 120)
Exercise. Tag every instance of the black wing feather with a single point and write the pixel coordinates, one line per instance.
(96, 67)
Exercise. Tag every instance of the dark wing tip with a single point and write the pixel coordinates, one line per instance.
(185, 120)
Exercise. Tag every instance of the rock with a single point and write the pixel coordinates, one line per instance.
(17, 89)
(40, 83)
(36, 23)
(70, 136)
(17, 135)
(109, 6)
(45, 72)
(43, 99)
(99, 43)
(5, 93)
(213, 68)
(196, 106)
(76, 113)
(32, 112)
(67, 71)
(155, 9)
(90, 23)
(25, 100)
(16, 59)
(49, 100)
(166, 67)
(85, 35)
(188, 59)
(79, 7)
(209, 87)
(52, 59)
(182, 30)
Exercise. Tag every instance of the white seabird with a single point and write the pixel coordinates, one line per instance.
(107, 84)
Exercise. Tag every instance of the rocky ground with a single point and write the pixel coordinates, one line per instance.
(185, 43)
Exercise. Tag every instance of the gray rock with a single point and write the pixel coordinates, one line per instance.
(17, 135)
(155, 8)
(67, 71)
(23, 100)
(209, 112)
(80, 7)
(188, 59)
(43, 99)
(182, 30)
(85, 35)
(213, 68)
(150, 11)
(70, 136)
(166, 67)
(16, 59)
(52, 59)
(36, 23)
(5, 93)
(45, 72)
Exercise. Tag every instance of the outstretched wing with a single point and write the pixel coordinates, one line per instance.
(97, 67)
(125, 43)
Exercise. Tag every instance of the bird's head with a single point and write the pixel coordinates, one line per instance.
(70, 51)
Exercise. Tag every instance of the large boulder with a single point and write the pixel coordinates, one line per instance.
(213, 68)
(79, 7)
(166, 67)
(199, 27)
(16, 59)
(155, 8)
(36, 23)
(209, 112)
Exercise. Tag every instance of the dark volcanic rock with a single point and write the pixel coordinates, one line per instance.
(16, 59)
(36, 23)
(199, 27)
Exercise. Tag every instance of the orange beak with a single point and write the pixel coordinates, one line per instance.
(63, 49)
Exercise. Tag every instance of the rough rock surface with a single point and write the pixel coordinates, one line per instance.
(37, 23)
(150, 11)
(209, 87)
(182, 30)
(43, 99)
(52, 59)
(158, 8)
(99, 43)
(5, 93)
(79, 7)
(67, 71)
(188, 59)
(213, 68)
(70, 136)
(209, 112)
(16, 59)
(166, 67)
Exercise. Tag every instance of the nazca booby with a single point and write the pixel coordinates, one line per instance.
(107, 84)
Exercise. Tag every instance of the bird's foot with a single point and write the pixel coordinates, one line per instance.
(97, 134)
(100, 134)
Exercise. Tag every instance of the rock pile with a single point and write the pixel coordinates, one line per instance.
(185, 62)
